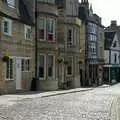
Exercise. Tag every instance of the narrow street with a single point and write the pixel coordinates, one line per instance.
(98, 104)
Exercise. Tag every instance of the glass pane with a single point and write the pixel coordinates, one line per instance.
(22, 65)
(11, 68)
(6, 24)
(41, 71)
(41, 60)
(50, 24)
(41, 66)
(50, 61)
(7, 69)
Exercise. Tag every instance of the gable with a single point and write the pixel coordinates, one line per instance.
(109, 37)
(115, 44)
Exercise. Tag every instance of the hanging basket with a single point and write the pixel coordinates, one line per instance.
(59, 60)
(5, 58)
(79, 62)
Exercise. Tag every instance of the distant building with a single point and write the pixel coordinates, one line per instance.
(94, 48)
(112, 53)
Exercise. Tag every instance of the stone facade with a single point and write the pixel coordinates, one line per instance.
(17, 48)
(68, 23)
(94, 39)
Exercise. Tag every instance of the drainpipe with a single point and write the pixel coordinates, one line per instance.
(35, 79)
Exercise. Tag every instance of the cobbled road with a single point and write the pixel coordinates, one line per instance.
(97, 104)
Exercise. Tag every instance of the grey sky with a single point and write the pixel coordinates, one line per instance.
(107, 9)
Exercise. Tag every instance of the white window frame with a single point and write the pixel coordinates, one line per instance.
(11, 3)
(9, 33)
(46, 68)
(9, 79)
(26, 27)
(44, 29)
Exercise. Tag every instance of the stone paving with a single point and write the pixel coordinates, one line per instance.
(97, 104)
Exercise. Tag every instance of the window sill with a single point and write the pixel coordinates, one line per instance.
(8, 35)
(9, 79)
(26, 71)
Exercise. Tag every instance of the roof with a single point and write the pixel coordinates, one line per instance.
(24, 12)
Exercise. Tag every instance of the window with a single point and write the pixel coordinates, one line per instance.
(41, 66)
(9, 69)
(7, 26)
(46, 29)
(115, 57)
(70, 37)
(50, 65)
(11, 3)
(42, 29)
(28, 32)
(50, 29)
(25, 65)
(70, 64)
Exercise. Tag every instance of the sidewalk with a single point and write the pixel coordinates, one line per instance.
(11, 99)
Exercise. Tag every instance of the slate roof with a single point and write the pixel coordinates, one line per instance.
(24, 12)
(109, 37)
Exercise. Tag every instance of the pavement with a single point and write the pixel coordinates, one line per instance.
(101, 103)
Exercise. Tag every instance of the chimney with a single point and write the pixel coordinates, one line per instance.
(113, 23)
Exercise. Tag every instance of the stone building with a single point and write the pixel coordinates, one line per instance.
(112, 53)
(94, 48)
(69, 43)
(47, 14)
(16, 46)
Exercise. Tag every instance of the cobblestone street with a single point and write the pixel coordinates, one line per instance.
(97, 104)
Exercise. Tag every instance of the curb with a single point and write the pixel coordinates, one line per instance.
(66, 92)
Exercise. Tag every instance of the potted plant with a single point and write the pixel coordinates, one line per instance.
(79, 62)
(59, 60)
(5, 58)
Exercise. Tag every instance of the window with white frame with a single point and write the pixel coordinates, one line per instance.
(25, 65)
(50, 29)
(50, 65)
(11, 3)
(45, 66)
(41, 68)
(9, 69)
(7, 27)
(28, 32)
(70, 37)
(46, 29)
(70, 66)
(42, 29)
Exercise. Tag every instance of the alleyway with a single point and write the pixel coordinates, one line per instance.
(97, 104)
